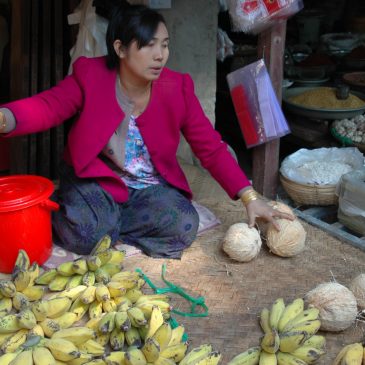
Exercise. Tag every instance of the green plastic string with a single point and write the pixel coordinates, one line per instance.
(171, 288)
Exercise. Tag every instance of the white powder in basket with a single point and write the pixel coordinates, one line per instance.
(321, 173)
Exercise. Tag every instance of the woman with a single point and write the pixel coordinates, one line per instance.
(120, 175)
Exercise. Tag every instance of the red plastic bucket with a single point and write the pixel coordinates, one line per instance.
(25, 219)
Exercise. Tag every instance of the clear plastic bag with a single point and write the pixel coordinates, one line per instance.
(257, 108)
(253, 16)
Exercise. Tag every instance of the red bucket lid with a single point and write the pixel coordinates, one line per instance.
(22, 191)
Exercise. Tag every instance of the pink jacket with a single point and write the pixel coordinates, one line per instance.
(173, 108)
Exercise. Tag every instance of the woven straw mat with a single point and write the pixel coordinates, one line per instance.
(236, 292)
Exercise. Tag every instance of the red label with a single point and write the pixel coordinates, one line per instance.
(272, 6)
(250, 6)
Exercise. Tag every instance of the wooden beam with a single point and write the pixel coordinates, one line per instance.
(265, 171)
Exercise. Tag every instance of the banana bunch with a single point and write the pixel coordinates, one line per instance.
(98, 267)
(289, 335)
(17, 292)
(353, 354)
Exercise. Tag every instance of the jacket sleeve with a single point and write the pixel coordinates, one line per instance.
(208, 146)
(51, 107)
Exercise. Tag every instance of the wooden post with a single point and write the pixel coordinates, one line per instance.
(265, 172)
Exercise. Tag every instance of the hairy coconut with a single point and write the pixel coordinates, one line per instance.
(357, 286)
(242, 243)
(263, 224)
(336, 304)
(287, 242)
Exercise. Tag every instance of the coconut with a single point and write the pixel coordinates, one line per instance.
(336, 304)
(357, 286)
(287, 242)
(242, 243)
(263, 224)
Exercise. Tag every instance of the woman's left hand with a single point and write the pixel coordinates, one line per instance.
(261, 209)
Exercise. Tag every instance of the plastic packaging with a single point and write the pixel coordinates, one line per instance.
(254, 16)
(351, 201)
(291, 165)
(257, 108)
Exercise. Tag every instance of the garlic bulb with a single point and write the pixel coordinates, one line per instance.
(242, 243)
(337, 306)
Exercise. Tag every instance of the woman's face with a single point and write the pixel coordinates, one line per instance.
(146, 63)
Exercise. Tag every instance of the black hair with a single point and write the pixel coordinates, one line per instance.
(130, 23)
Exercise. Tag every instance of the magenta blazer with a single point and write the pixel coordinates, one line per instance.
(173, 108)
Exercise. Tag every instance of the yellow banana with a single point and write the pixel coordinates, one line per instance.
(143, 332)
(66, 268)
(290, 341)
(137, 317)
(102, 276)
(74, 281)
(116, 289)
(175, 352)
(62, 349)
(177, 334)
(79, 308)
(9, 324)
(117, 257)
(58, 306)
(317, 341)
(288, 359)
(66, 320)
(151, 350)
(46, 277)
(34, 292)
(23, 358)
(122, 321)
(147, 307)
(7, 288)
(109, 269)
(134, 356)
(104, 256)
(4, 337)
(155, 321)
(92, 347)
(354, 355)
(80, 266)
(308, 354)
(213, 358)
(83, 359)
(109, 306)
(93, 262)
(76, 335)
(7, 358)
(19, 301)
(270, 342)
(115, 358)
(95, 309)
(102, 293)
(117, 338)
(309, 314)
(22, 279)
(107, 323)
(248, 357)
(102, 338)
(93, 323)
(133, 294)
(88, 278)
(58, 283)
(341, 354)
(15, 341)
(26, 318)
(265, 320)
(40, 309)
(197, 354)
(43, 356)
(267, 358)
(34, 271)
(71, 293)
(150, 297)
(97, 361)
(37, 330)
(163, 361)
(49, 327)
(88, 296)
(22, 262)
(6, 304)
(310, 327)
(276, 311)
(122, 303)
(102, 245)
(163, 335)
(132, 337)
(292, 310)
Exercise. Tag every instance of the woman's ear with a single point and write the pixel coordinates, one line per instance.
(118, 48)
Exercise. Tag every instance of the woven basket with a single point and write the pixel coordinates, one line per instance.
(310, 194)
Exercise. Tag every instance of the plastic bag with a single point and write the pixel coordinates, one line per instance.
(257, 108)
(253, 16)
(224, 45)
(292, 165)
